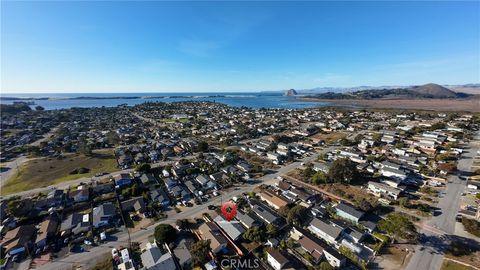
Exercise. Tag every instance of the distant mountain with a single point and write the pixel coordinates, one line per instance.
(471, 88)
(434, 90)
(290, 92)
(427, 91)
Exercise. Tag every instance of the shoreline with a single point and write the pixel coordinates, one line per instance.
(468, 105)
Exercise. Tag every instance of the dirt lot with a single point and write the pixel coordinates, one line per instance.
(394, 257)
(43, 172)
(470, 105)
(330, 137)
(449, 265)
(349, 192)
(472, 259)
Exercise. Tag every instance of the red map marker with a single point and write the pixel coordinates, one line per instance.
(229, 210)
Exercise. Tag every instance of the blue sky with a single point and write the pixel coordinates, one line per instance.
(235, 46)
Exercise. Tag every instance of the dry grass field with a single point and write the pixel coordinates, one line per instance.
(44, 172)
(467, 105)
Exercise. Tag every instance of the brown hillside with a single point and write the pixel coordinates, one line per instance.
(434, 90)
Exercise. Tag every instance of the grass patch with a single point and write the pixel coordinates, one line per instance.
(44, 172)
(449, 265)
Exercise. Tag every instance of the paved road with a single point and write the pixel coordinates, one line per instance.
(96, 254)
(429, 253)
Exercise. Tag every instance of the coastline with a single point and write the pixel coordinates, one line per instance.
(468, 105)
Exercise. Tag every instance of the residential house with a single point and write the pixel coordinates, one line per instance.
(17, 240)
(47, 230)
(265, 214)
(102, 188)
(79, 195)
(134, 205)
(101, 215)
(349, 212)
(75, 223)
(153, 259)
(276, 259)
(311, 246)
(158, 195)
(210, 231)
(272, 199)
(327, 231)
(181, 250)
(383, 190)
(334, 258)
(248, 219)
(233, 229)
(147, 179)
(123, 180)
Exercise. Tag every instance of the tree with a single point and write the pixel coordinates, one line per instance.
(272, 230)
(199, 251)
(182, 223)
(135, 191)
(346, 142)
(343, 170)
(144, 167)
(201, 147)
(319, 178)
(326, 266)
(17, 208)
(365, 205)
(404, 202)
(308, 172)
(165, 233)
(113, 138)
(377, 138)
(83, 148)
(398, 226)
(255, 234)
(297, 215)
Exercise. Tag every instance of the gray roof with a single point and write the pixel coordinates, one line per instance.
(152, 258)
(182, 252)
(103, 213)
(202, 179)
(264, 213)
(350, 210)
(137, 204)
(248, 219)
(147, 178)
(232, 228)
(327, 228)
(159, 195)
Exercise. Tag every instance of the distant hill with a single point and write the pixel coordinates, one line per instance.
(434, 90)
(427, 91)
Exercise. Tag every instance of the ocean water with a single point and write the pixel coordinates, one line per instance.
(252, 100)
